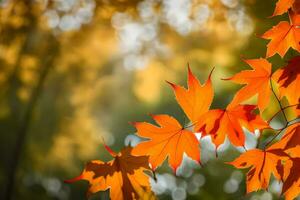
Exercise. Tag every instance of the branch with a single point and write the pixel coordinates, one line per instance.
(281, 110)
(289, 123)
(278, 100)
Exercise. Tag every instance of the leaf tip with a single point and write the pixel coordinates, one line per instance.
(133, 123)
(273, 15)
(228, 163)
(188, 66)
(200, 163)
(171, 84)
(72, 180)
(110, 151)
(190, 73)
(262, 36)
(244, 59)
(174, 169)
(210, 74)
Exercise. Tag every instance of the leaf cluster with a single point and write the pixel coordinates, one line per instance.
(125, 176)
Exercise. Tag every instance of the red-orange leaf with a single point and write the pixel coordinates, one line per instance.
(167, 139)
(262, 164)
(229, 122)
(283, 36)
(124, 176)
(296, 6)
(290, 143)
(257, 80)
(195, 100)
(287, 150)
(290, 139)
(288, 79)
(291, 180)
(283, 6)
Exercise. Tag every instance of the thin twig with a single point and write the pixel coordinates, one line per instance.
(281, 110)
(278, 100)
(289, 123)
(275, 136)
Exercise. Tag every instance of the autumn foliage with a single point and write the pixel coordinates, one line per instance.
(125, 175)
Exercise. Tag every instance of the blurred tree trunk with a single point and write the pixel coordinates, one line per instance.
(34, 39)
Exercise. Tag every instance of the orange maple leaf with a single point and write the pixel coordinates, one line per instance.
(291, 178)
(288, 79)
(124, 176)
(168, 139)
(262, 164)
(283, 36)
(220, 123)
(195, 100)
(257, 80)
(296, 6)
(290, 173)
(283, 6)
(290, 140)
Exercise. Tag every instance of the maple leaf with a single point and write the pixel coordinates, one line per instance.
(288, 79)
(290, 140)
(220, 123)
(257, 80)
(291, 181)
(168, 139)
(283, 6)
(290, 173)
(262, 164)
(124, 176)
(195, 100)
(283, 36)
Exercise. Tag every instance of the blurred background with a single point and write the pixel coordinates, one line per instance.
(74, 71)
